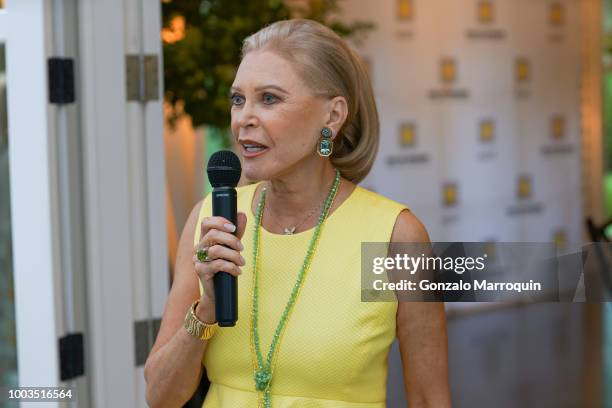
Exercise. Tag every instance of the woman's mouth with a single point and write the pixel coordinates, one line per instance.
(252, 150)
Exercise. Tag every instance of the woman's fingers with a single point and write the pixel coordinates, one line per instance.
(206, 270)
(222, 240)
(215, 236)
(221, 252)
(216, 222)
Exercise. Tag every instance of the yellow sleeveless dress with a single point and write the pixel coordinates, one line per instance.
(335, 347)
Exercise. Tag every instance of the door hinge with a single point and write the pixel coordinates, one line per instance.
(61, 80)
(145, 332)
(72, 356)
(142, 77)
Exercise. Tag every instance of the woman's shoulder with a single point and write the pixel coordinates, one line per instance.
(372, 201)
(406, 225)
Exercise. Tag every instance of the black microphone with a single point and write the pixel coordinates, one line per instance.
(224, 173)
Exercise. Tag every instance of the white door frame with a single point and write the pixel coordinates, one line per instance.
(125, 194)
(124, 221)
(33, 214)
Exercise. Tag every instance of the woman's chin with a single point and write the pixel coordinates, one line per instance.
(252, 174)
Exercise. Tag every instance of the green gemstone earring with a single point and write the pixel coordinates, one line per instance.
(326, 145)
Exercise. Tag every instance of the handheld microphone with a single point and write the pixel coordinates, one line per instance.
(224, 173)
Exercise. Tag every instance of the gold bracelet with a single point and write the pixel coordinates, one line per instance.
(196, 327)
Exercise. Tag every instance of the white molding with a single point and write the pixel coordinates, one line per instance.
(154, 130)
(107, 202)
(150, 273)
(35, 255)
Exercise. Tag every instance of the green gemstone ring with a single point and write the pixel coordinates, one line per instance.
(202, 254)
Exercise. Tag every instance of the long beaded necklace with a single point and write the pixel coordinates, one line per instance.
(264, 369)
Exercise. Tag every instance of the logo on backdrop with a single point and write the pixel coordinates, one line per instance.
(405, 10)
(524, 197)
(407, 143)
(523, 189)
(486, 137)
(485, 11)
(556, 22)
(450, 200)
(558, 143)
(405, 15)
(522, 76)
(448, 70)
(449, 194)
(485, 17)
(448, 74)
(407, 135)
(556, 14)
(487, 130)
(559, 238)
(523, 70)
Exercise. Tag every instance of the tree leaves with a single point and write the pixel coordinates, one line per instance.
(200, 67)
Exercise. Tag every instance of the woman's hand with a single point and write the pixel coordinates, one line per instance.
(222, 239)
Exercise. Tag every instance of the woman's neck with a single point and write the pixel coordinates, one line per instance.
(293, 195)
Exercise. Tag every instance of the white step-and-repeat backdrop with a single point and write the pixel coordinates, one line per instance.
(479, 104)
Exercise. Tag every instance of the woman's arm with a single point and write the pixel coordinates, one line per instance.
(173, 369)
(421, 331)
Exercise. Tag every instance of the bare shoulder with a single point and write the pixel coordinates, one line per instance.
(408, 228)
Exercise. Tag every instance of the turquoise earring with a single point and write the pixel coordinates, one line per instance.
(326, 145)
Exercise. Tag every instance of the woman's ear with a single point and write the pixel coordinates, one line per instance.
(338, 112)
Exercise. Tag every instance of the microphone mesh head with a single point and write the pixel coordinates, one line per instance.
(224, 169)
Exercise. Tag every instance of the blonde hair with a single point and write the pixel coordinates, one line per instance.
(331, 68)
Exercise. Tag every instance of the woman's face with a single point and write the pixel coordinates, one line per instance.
(276, 119)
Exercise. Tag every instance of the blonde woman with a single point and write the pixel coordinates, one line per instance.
(304, 117)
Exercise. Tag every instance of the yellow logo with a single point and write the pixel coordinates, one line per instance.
(448, 70)
(405, 9)
(522, 70)
(449, 194)
(560, 239)
(556, 14)
(557, 127)
(407, 135)
(487, 130)
(485, 11)
(524, 187)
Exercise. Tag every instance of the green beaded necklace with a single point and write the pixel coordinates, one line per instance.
(264, 369)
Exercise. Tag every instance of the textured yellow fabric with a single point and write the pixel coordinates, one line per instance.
(335, 347)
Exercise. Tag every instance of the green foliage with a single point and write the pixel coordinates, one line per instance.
(200, 68)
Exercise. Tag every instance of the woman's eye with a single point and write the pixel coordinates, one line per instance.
(237, 99)
(269, 99)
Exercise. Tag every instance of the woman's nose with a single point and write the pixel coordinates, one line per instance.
(247, 115)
